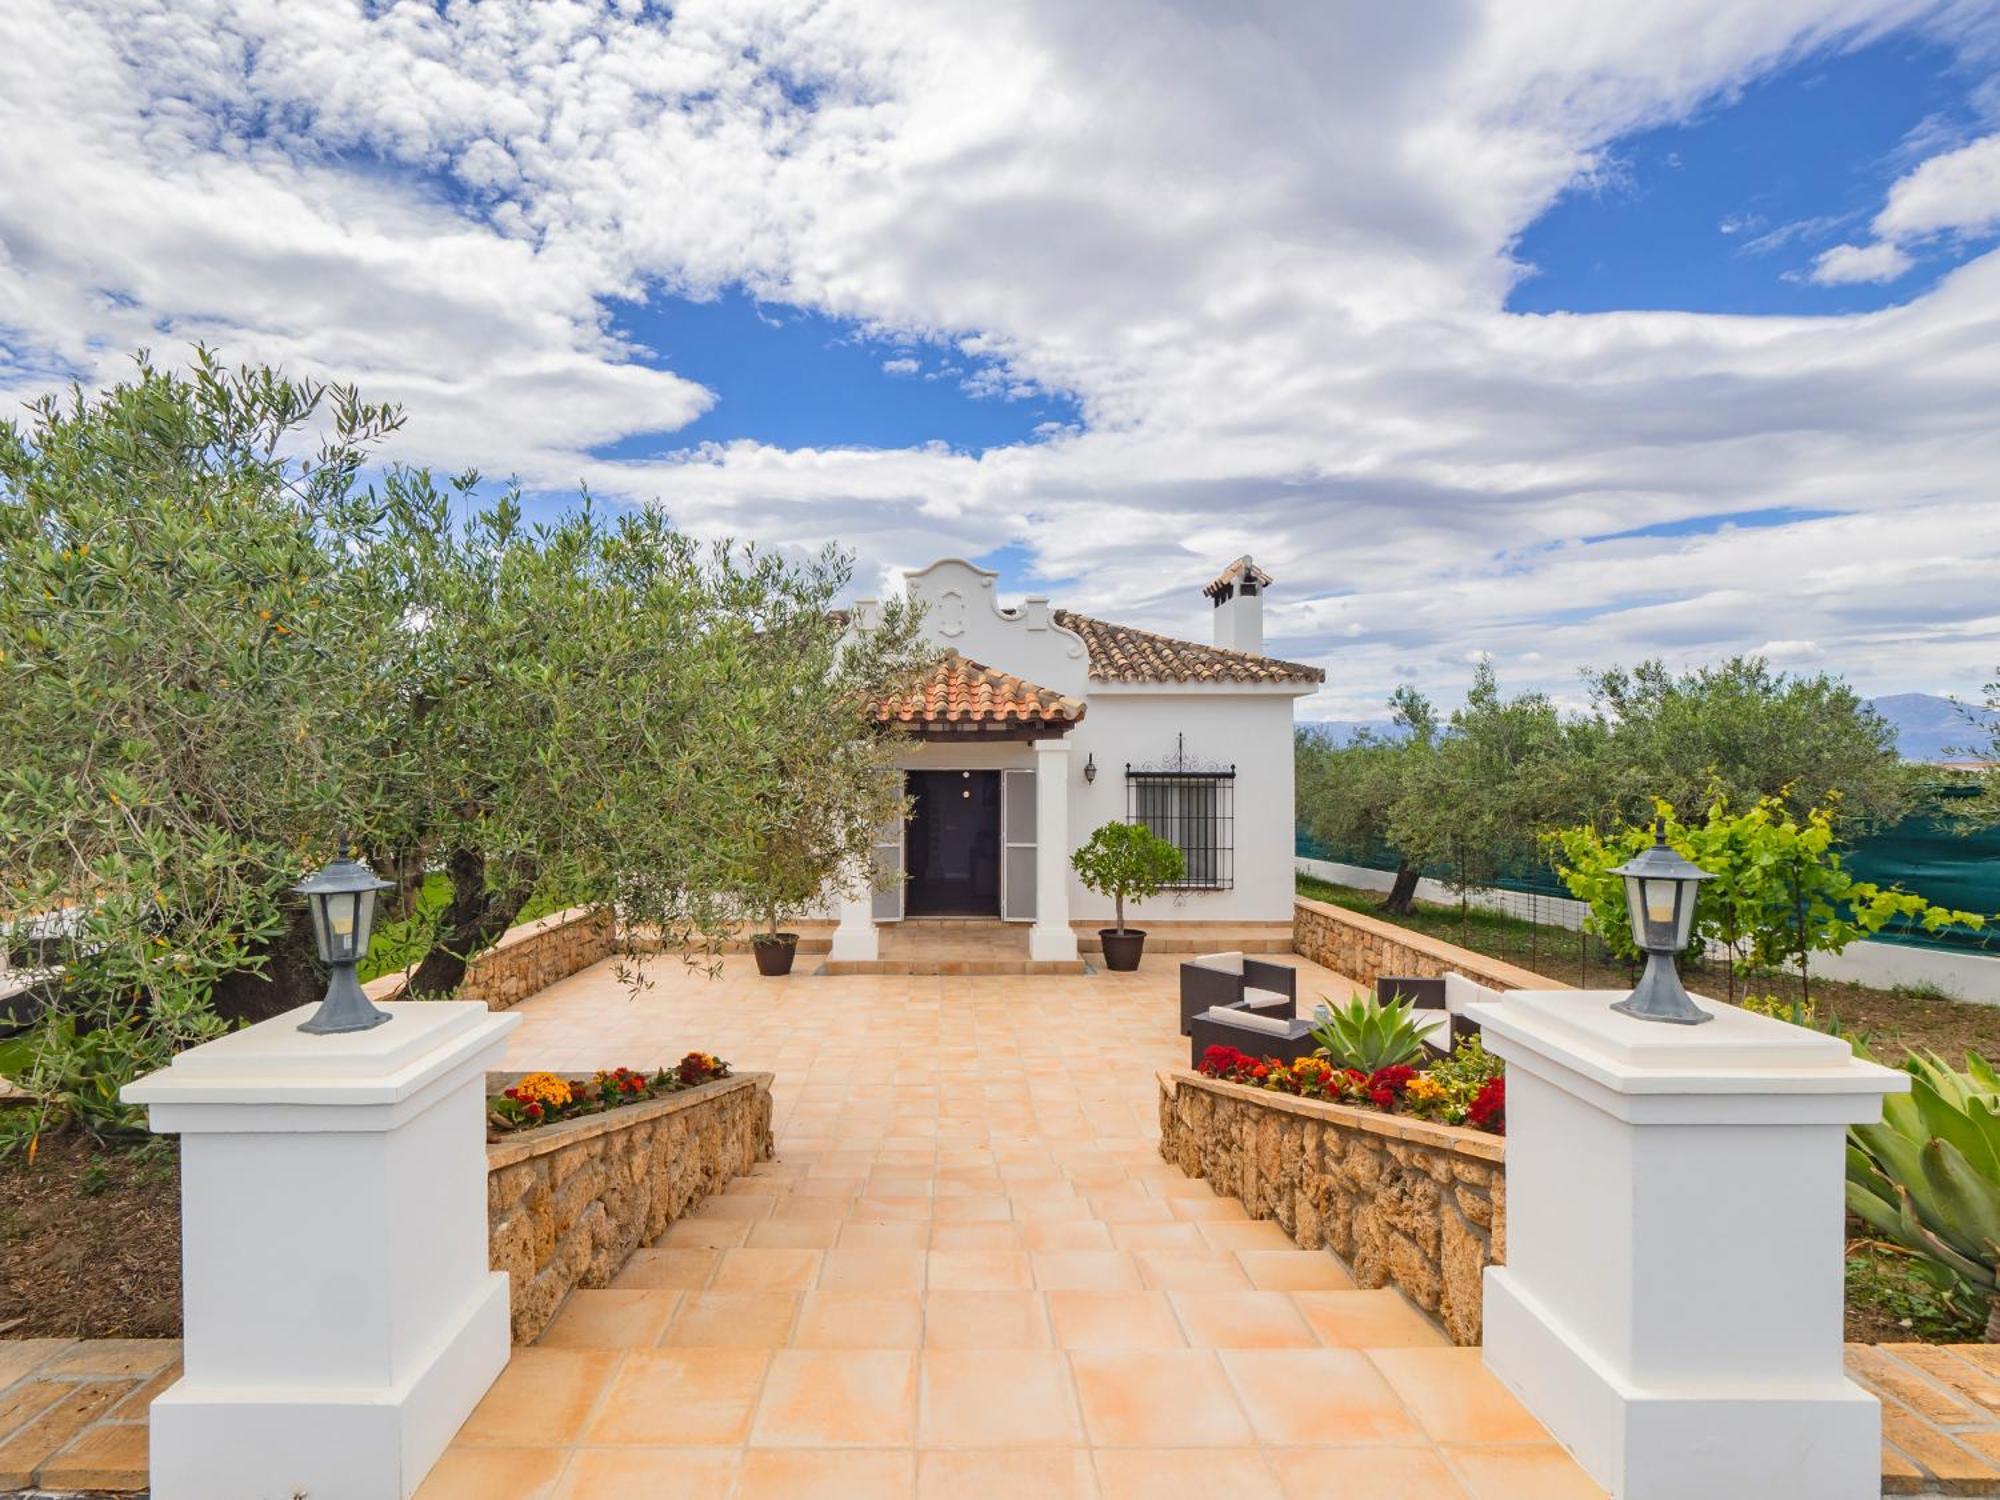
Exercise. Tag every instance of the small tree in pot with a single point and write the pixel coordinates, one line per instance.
(1121, 860)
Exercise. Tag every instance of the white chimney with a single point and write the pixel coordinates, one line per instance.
(1238, 597)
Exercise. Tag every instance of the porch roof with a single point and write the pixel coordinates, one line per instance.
(964, 696)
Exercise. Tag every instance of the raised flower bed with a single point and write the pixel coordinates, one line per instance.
(1403, 1199)
(582, 1172)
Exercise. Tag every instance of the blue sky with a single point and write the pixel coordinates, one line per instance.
(1725, 212)
(1540, 331)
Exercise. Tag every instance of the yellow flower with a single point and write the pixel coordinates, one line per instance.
(543, 1088)
(1424, 1090)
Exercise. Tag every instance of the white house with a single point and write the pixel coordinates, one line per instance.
(1040, 724)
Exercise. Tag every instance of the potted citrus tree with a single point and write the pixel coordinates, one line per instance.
(1123, 860)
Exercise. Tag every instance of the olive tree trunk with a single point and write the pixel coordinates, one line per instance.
(479, 912)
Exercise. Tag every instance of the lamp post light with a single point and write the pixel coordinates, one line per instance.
(1089, 769)
(1660, 890)
(342, 901)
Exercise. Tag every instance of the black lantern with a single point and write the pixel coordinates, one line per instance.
(1660, 890)
(1089, 769)
(342, 901)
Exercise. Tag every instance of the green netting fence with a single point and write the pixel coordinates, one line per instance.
(1926, 852)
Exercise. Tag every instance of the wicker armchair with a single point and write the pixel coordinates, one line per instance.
(1232, 979)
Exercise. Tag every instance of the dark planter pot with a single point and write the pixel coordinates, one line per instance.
(774, 956)
(1122, 949)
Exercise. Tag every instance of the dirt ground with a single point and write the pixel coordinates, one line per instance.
(90, 1242)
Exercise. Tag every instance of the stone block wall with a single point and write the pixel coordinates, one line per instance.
(1364, 947)
(1401, 1201)
(536, 954)
(566, 1205)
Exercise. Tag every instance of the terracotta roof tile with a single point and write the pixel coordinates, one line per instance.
(961, 691)
(1119, 653)
(1236, 572)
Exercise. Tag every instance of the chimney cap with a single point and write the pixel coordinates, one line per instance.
(1241, 571)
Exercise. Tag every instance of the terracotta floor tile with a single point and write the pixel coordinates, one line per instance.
(1199, 1209)
(1067, 1234)
(641, 1474)
(1086, 1271)
(113, 1357)
(1158, 1398)
(973, 1210)
(1245, 1234)
(818, 1398)
(733, 1320)
(996, 1398)
(1365, 1474)
(1047, 1474)
(991, 1235)
(985, 1320)
(1522, 1473)
(481, 1473)
(980, 1270)
(1184, 1474)
(610, 1319)
(1294, 1271)
(702, 1233)
(859, 1320)
(1368, 1320)
(1456, 1397)
(667, 1270)
(680, 1397)
(1297, 1397)
(1191, 1270)
(820, 1474)
(766, 1270)
(1243, 1320)
(872, 1270)
(741, 1207)
(883, 1234)
(791, 1234)
(1174, 1234)
(1114, 1320)
(543, 1396)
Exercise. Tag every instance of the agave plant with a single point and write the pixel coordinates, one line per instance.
(1366, 1036)
(1928, 1177)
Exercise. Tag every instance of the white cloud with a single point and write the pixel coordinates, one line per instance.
(1844, 265)
(1956, 190)
(901, 365)
(1266, 248)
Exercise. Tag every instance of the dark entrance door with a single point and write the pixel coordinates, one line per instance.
(954, 844)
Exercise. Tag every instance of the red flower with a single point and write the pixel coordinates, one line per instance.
(1488, 1110)
(1221, 1062)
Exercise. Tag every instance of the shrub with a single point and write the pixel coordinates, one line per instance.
(1127, 859)
(1366, 1036)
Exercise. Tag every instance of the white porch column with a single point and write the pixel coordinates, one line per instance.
(340, 1320)
(1051, 939)
(854, 940)
(1670, 1306)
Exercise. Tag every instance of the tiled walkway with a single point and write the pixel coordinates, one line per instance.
(969, 1274)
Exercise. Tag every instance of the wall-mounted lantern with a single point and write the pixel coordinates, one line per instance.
(342, 901)
(1660, 889)
(1089, 769)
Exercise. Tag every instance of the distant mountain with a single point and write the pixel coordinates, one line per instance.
(1341, 731)
(1928, 728)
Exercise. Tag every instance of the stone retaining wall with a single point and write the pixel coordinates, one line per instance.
(1364, 948)
(536, 954)
(1401, 1201)
(566, 1205)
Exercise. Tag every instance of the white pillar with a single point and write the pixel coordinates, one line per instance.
(1671, 1302)
(339, 1317)
(854, 940)
(1051, 938)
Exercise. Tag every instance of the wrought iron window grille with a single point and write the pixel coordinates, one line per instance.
(1190, 803)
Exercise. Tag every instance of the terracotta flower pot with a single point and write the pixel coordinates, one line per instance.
(775, 952)
(1122, 949)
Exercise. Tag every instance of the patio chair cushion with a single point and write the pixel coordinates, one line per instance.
(1265, 999)
(1223, 963)
(1248, 1019)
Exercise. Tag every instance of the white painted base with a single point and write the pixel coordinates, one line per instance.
(1810, 1442)
(1051, 944)
(219, 1442)
(855, 944)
